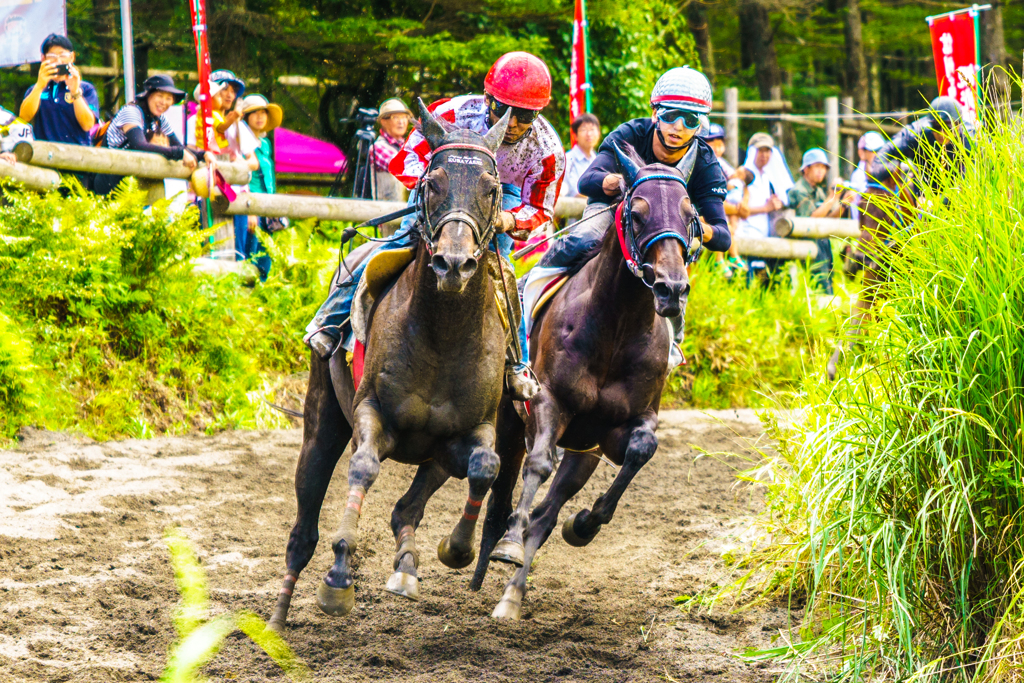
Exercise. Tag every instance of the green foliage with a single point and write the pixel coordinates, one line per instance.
(17, 389)
(746, 346)
(125, 338)
(894, 504)
(200, 640)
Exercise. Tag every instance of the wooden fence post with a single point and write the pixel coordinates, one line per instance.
(850, 148)
(732, 126)
(832, 137)
(777, 132)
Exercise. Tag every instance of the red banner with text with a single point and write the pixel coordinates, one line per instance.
(205, 114)
(955, 46)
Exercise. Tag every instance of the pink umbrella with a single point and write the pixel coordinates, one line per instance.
(298, 153)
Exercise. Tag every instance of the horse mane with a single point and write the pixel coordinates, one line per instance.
(585, 257)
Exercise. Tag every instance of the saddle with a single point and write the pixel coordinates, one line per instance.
(385, 267)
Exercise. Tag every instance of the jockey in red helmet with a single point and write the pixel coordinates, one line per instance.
(531, 163)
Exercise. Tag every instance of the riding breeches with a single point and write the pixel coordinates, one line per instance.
(582, 237)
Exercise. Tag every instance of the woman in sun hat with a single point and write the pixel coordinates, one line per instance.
(262, 117)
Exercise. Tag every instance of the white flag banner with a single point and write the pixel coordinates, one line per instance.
(24, 25)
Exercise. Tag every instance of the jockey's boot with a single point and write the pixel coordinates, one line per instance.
(322, 344)
(520, 382)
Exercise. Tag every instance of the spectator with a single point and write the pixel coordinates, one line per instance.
(809, 199)
(261, 117)
(735, 208)
(12, 131)
(587, 129)
(61, 106)
(234, 141)
(867, 147)
(767, 193)
(142, 127)
(393, 119)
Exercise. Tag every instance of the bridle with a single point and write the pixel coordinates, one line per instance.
(430, 231)
(634, 251)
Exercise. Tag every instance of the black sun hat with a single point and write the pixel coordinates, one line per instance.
(163, 83)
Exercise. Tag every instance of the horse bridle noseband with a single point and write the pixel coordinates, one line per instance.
(636, 251)
(432, 231)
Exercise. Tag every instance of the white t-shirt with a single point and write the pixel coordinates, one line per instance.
(859, 181)
(576, 162)
(12, 131)
(756, 225)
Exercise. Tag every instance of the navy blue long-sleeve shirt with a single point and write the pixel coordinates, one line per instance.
(706, 185)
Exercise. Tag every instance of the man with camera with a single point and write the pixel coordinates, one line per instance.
(394, 120)
(60, 106)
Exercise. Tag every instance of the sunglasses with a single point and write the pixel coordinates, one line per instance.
(691, 120)
(524, 116)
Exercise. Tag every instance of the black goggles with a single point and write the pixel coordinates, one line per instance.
(691, 119)
(524, 116)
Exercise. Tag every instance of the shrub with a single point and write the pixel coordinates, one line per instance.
(895, 503)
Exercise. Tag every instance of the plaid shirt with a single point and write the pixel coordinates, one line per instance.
(385, 148)
(535, 164)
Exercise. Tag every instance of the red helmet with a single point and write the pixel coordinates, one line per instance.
(519, 79)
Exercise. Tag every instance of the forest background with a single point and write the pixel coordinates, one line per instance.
(363, 51)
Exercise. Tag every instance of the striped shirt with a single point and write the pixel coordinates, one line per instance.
(535, 163)
(131, 116)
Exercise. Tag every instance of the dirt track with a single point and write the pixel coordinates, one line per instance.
(86, 589)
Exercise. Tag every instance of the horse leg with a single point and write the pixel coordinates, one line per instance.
(336, 594)
(548, 428)
(574, 471)
(636, 443)
(861, 315)
(404, 521)
(511, 447)
(456, 550)
(326, 433)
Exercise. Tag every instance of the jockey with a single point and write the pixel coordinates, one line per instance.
(680, 101)
(936, 129)
(531, 162)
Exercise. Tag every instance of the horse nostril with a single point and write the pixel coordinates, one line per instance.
(439, 264)
(661, 290)
(468, 267)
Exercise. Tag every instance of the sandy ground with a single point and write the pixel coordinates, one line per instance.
(86, 588)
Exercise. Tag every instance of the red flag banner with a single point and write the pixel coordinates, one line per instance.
(205, 115)
(578, 84)
(955, 46)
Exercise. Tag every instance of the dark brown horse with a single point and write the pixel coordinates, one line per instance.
(885, 206)
(432, 380)
(600, 350)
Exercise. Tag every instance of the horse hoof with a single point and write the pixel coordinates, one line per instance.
(276, 626)
(569, 534)
(336, 602)
(450, 558)
(508, 551)
(511, 604)
(406, 585)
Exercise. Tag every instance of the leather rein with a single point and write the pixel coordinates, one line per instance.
(431, 231)
(635, 251)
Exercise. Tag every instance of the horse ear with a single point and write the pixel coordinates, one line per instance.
(629, 163)
(434, 129)
(493, 137)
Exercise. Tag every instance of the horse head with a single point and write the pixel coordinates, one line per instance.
(657, 218)
(460, 197)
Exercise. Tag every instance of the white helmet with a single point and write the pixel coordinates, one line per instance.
(683, 88)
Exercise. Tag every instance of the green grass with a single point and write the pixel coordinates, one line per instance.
(894, 506)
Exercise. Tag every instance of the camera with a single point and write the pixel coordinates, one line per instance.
(63, 69)
(363, 179)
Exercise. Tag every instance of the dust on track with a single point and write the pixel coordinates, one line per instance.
(86, 589)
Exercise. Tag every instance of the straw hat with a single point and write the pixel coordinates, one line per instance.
(391, 107)
(760, 140)
(256, 102)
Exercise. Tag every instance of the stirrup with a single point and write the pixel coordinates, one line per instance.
(323, 345)
(522, 386)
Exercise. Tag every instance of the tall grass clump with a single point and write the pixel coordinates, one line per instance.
(747, 346)
(895, 505)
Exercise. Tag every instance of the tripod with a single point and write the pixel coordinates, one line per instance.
(364, 182)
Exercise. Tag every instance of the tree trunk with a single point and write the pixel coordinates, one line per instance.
(757, 37)
(856, 65)
(108, 35)
(995, 44)
(698, 20)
